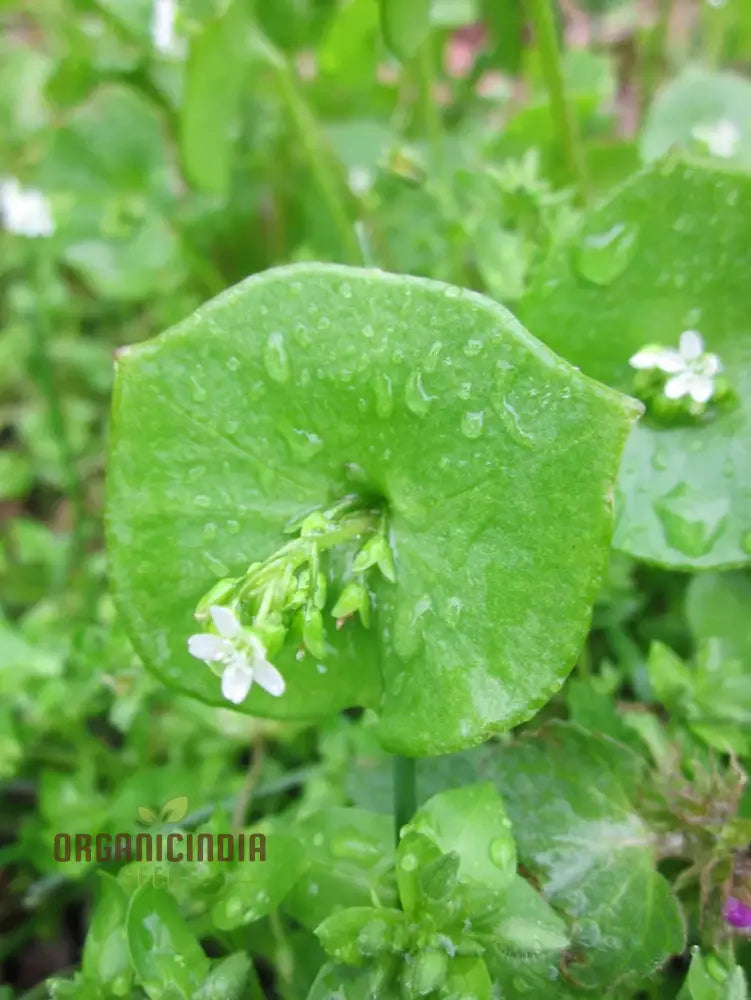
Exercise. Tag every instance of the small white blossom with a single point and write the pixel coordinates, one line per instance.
(721, 137)
(241, 654)
(692, 372)
(25, 211)
(360, 179)
(163, 23)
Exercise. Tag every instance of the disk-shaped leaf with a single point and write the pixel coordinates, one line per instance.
(668, 252)
(496, 461)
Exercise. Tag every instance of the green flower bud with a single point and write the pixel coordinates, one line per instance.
(221, 593)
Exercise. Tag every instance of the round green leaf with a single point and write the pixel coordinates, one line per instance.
(496, 461)
(669, 251)
(703, 112)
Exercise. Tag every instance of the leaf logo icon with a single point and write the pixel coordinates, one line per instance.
(172, 811)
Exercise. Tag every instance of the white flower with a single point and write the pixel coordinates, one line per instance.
(721, 137)
(241, 654)
(692, 371)
(25, 211)
(163, 25)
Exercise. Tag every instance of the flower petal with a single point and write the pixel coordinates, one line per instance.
(671, 362)
(225, 621)
(737, 913)
(236, 681)
(269, 678)
(679, 385)
(702, 387)
(691, 345)
(206, 646)
(648, 358)
(711, 365)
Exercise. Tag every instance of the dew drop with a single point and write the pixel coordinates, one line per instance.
(209, 531)
(303, 335)
(346, 290)
(368, 332)
(502, 852)
(434, 354)
(384, 395)
(275, 358)
(692, 526)
(602, 257)
(408, 862)
(350, 844)
(201, 500)
(233, 527)
(197, 391)
(473, 424)
(233, 363)
(415, 396)
(303, 444)
(465, 390)
(473, 347)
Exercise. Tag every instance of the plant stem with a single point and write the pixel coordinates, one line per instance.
(245, 794)
(560, 107)
(654, 53)
(297, 552)
(321, 161)
(405, 792)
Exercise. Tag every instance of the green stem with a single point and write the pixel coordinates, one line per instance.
(561, 110)
(654, 53)
(322, 166)
(405, 792)
(430, 113)
(297, 552)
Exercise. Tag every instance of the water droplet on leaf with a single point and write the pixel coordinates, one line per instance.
(415, 396)
(473, 424)
(275, 358)
(384, 395)
(603, 256)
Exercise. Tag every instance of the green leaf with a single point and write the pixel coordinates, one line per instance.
(254, 889)
(162, 947)
(709, 979)
(405, 25)
(522, 923)
(227, 979)
(436, 400)
(351, 854)
(569, 795)
(645, 268)
(473, 823)
(717, 608)
(693, 105)
(468, 976)
(345, 983)
(357, 934)
(105, 953)
(211, 104)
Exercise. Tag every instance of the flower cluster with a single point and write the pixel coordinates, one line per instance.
(284, 597)
(692, 371)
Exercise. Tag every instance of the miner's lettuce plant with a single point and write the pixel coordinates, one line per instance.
(426, 498)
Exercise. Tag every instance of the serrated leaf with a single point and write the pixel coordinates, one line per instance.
(569, 795)
(669, 251)
(486, 434)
